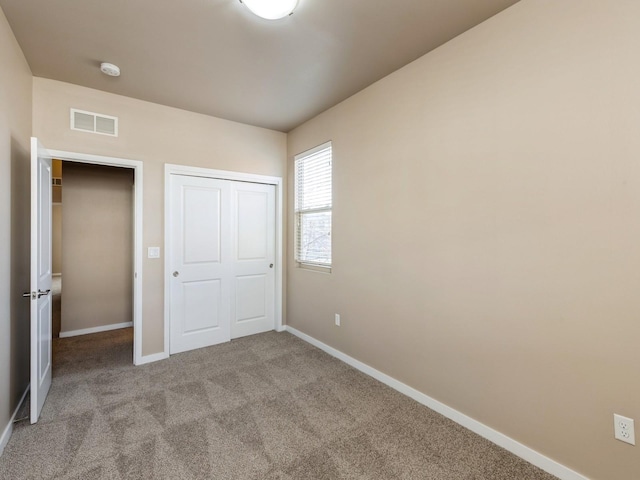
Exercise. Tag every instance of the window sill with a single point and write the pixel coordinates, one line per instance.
(314, 268)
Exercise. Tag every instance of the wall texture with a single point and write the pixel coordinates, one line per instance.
(156, 135)
(486, 228)
(97, 246)
(15, 130)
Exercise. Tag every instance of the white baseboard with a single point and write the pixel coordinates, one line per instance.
(500, 439)
(154, 357)
(103, 328)
(8, 430)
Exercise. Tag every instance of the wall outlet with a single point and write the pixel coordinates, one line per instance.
(624, 429)
(337, 319)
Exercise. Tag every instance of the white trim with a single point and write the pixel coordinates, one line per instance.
(167, 263)
(313, 150)
(137, 167)
(8, 430)
(154, 357)
(315, 267)
(500, 439)
(102, 328)
(171, 169)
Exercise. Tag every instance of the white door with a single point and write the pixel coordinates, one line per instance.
(253, 220)
(40, 277)
(199, 258)
(222, 254)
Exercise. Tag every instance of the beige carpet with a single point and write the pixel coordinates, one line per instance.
(263, 407)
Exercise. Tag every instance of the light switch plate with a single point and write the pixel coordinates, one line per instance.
(153, 252)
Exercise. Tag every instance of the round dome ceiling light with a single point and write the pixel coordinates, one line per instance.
(110, 69)
(271, 9)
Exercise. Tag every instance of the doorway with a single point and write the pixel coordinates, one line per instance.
(135, 238)
(41, 263)
(92, 240)
(56, 247)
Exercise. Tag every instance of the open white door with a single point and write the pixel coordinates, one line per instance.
(40, 277)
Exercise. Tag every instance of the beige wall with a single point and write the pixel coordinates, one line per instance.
(156, 135)
(56, 173)
(97, 246)
(56, 234)
(486, 228)
(56, 219)
(15, 129)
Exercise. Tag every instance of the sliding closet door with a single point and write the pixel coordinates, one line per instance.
(253, 209)
(200, 249)
(222, 254)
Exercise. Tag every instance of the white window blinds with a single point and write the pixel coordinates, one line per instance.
(313, 206)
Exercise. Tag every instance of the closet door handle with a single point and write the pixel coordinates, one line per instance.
(42, 293)
(176, 273)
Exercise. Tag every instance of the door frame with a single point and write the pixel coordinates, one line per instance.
(171, 169)
(136, 165)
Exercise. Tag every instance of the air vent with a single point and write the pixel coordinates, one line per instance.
(94, 123)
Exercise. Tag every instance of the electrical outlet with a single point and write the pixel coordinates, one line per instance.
(624, 429)
(337, 319)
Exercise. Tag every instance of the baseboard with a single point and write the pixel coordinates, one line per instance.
(8, 430)
(508, 443)
(103, 328)
(154, 357)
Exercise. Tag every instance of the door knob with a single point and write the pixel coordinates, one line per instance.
(42, 293)
(28, 295)
(271, 265)
(176, 273)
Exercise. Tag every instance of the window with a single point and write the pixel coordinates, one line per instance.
(313, 206)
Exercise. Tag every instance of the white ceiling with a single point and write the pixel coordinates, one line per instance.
(215, 57)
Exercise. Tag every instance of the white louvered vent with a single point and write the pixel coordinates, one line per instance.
(94, 122)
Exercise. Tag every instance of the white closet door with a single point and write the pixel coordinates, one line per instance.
(253, 256)
(200, 273)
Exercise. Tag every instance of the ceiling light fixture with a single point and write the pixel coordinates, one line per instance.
(271, 9)
(110, 69)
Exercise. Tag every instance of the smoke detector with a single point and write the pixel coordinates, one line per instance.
(110, 69)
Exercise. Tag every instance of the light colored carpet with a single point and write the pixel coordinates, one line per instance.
(263, 407)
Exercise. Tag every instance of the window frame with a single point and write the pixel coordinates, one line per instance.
(299, 213)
